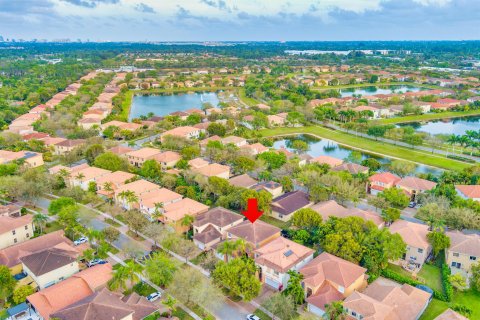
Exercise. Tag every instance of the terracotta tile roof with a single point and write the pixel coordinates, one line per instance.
(233, 140)
(353, 168)
(414, 234)
(218, 216)
(209, 234)
(213, 169)
(11, 256)
(9, 209)
(177, 210)
(197, 163)
(180, 131)
(71, 290)
(282, 254)
(384, 177)
(144, 153)
(35, 136)
(325, 295)
(48, 260)
(71, 143)
(50, 141)
(90, 173)
(254, 233)
(327, 267)
(243, 180)
(469, 191)
(167, 156)
(415, 183)
(7, 223)
(158, 196)
(331, 208)
(116, 178)
(107, 305)
(449, 314)
(290, 202)
(331, 161)
(139, 187)
(368, 307)
(119, 150)
(464, 243)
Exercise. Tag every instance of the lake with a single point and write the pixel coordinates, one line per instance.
(372, 90)
(331, 148)
(456, 126)
(162, 105)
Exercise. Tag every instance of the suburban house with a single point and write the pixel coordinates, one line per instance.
(210, 227)
(120, 150)
(352, 168)
(256, 234)
(330, 161)
(67, 146)
(255, 148)
(11, 256)
(168, 159)
(155, 200)
(105, 304)
(136, 188)
(236, 141)
(243, 181)
(274, 188)
(83, 177)
(275, 120)
(331, 208)
(174, 212)
(381, 181)
(413, 186)
(121, 125)
(328, 278)
(449, 314)
(183, 132)
(197, 163)
(50, 266)
(415, 236)
(107, 184)
(464, 250)
(468, 191)
(30, 158)
(15, 230)
(287, 204)
(10, 210)
(138, 157)
(72, 290)
(384, 299)
(214, 170)
(276, 258)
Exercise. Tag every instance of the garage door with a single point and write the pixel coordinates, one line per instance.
(272, 283)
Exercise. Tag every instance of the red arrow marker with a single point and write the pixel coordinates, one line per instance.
(252, 213)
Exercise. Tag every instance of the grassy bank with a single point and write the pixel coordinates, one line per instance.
(247, 100)
(430, 116)
(371, 146)
(180, 90)
(378, 84)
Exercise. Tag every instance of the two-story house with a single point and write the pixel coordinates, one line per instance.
(381, 181)
(82, 178)
(328, 278)
(287, 204)
(15, 230)
(414, 186)
(276, 258)
(464, 250)
(129, 194)
(138, 157)
(415, 236)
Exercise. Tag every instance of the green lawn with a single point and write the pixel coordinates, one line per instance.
(179, 90)
(277, 223)
(262, 315)
(429, 116)
(371, 146)
(3, 314)
(247, 100)
(432, 276)
(181, 314)
(468, 298)
(379, 84)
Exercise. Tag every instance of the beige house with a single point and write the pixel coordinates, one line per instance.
(464, 251)
(176, 211)
(184, 132)
(257, 234)
(30, 158)
(107, 184)
(413, 186)
(136, 188)
(284, 207)
(331, 208)
(381, 181)
(14, 230)
(415, 236)
(157, 199)
(67, 146)
(276, 258)
(138, 157)
(328, 278)
(83, 177)
(236, 141)
(468, 191)
(50, 266)
(168, 159)
(214, 170)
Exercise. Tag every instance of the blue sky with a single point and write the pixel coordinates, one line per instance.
(215, 20)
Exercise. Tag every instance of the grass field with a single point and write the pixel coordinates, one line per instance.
(469, 298)
(371, 146)
(429, 116)
(247, 100)
(378, 84)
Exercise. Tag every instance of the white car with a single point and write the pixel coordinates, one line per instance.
(155, 296)
(80, 241)
(94, 262)
(252, 317)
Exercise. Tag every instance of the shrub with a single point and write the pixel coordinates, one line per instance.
(462, 309)
(454, 157)
(447, 286)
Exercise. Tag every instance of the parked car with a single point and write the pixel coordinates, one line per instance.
(412, 204)
(154, 296)
(94, 262)
(81, 240)
(252, 317)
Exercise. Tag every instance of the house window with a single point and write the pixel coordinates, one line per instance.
(456, 265)
(26, 227)
(28, 235)
(275, 273)
(473, 258)
(456, 254)
(13, 232)
(420, 250)
(15, 240)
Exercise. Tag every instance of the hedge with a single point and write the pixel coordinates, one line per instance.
(447, 286)
(460, 158)
(387, 273)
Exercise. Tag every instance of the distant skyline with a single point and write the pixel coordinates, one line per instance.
(240, 20)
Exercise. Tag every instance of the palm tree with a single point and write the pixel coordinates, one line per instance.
(335, 311)
(242, 247)
(452, 140)
(133, 270)
(227, 248)
(187, 221)
(119, 279)
(88, 254)
(80, 176)
(170, 303)
(40, 220)
(158, 210)
(128, 196)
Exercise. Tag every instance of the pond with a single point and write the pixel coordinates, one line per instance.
(162, 105)
(331, 148)
(456, 126)
(372, 90)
